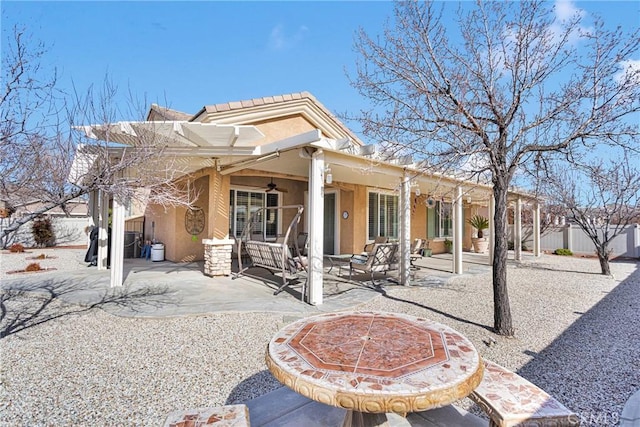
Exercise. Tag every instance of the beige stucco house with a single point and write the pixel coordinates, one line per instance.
(290, 150)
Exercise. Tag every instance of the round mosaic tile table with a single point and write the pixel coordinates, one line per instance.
(374, 362)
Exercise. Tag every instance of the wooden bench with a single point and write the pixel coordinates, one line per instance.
(383, 258)
(221, 416)
(510, 400)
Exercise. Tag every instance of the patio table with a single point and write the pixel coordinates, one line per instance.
(338, 260)
(371, 363)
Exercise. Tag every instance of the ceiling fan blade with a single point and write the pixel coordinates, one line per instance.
(282, 190)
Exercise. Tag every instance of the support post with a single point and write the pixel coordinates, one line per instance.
(93, 209)
(103, 227)
(458, 228)
(316, 228)
(536, 230)
(117, 241)
(517, 231)
(405, 229)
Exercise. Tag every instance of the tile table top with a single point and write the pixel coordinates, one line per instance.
(375, 362)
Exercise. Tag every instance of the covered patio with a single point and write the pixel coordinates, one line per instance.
(235, 148)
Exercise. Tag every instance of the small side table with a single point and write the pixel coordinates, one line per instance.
(338, 261)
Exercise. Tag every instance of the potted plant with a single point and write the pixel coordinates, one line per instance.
(480, 243)
(448, 246)
(426, 250)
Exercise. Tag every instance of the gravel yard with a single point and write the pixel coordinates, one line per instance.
(578, 337)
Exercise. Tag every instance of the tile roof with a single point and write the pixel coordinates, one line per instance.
(236, 105)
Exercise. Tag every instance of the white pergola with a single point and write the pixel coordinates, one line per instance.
(307, 154)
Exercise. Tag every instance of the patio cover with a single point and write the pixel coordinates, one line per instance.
(192, 138)
(179, 138)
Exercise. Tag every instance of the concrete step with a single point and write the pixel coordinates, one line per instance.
(285, 408)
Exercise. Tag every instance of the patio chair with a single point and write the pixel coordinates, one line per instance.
(415, 253)
(368, 248)
(383, 258)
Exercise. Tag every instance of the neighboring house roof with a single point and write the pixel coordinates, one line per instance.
(159, 113)
(256, 110)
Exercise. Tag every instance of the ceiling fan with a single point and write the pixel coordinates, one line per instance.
(271, 187)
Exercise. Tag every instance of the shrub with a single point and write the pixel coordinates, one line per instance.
(511, 245)
(16, 247)
(562, 251)
(41, 256)
(42, 230)
(34, 266)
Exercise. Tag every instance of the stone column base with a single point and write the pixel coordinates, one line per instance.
(217, 257)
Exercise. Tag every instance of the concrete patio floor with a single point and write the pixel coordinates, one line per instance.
(177, 289)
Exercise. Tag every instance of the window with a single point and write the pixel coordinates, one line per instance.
(383, 215)
(439, 220)
(244, 203)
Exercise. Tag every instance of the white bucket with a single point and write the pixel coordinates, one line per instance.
(157, 252)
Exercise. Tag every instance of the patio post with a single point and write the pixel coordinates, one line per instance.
(405, 228)
(103, 226)
(316, 227)
(93, 206)
(517, 231)
(536, 229)
(492, 227)
(458, 228)
(117, 241)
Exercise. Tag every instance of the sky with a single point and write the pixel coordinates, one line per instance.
(189, 54)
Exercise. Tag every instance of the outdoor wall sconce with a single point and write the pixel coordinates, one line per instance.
(328, 176)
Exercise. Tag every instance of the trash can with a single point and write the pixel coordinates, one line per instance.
(157, 252)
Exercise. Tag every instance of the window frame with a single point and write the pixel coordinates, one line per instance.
(233, 210)
(395, 225)
(436, 229)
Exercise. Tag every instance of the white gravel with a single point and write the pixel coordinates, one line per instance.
(578, 337)
(55, 258)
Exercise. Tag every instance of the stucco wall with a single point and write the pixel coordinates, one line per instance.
(180, 246)
(359, 215)
(418, 217)
(347, 231)
(283, 127)
(218, 206)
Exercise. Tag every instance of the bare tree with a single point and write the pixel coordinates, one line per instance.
(603, 198)
(42, 144)
(514, 82)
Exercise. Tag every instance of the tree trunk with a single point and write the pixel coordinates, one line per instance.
(603, 257)
(503, 324)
